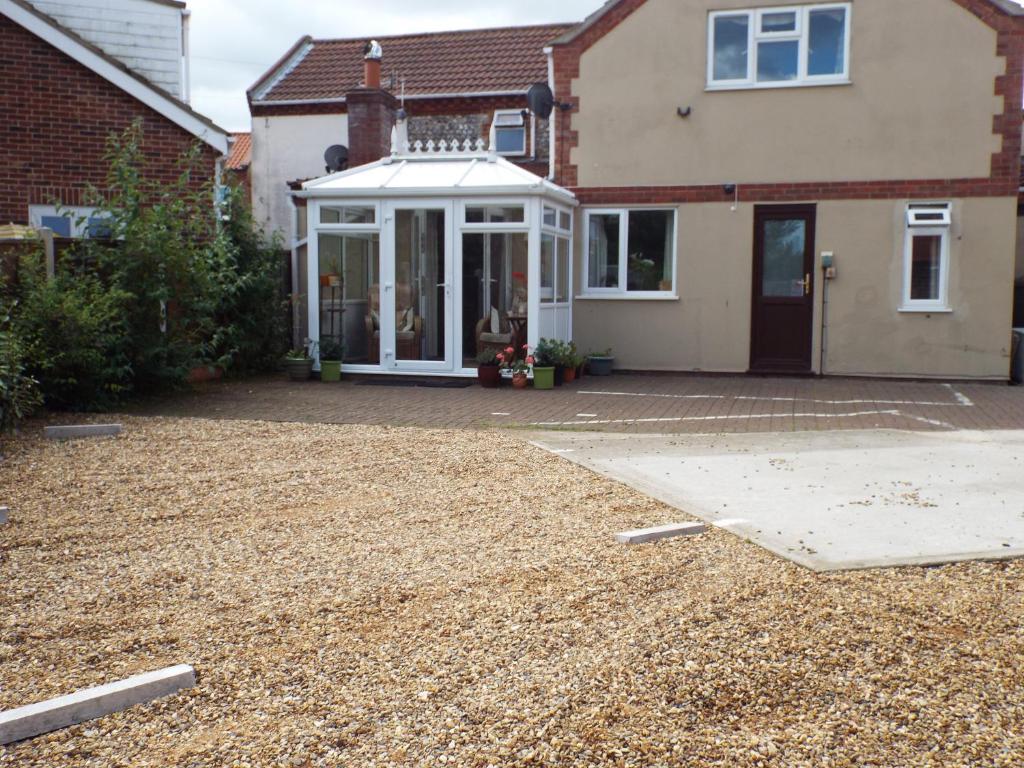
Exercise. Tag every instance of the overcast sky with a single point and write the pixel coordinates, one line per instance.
(236, 41)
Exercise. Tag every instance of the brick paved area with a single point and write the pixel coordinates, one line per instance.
(622, 403)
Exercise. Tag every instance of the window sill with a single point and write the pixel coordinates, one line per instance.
(627, 297)
(925, 310)
(773, 86)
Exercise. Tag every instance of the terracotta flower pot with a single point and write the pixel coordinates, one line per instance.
(520, 380)
(489, 376)
(569, 376)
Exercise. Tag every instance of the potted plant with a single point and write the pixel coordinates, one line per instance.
(571, 362)
(518, 366)
(332, 350)
(299, 364)
(601, 363)
(544, 361)
(488, 370)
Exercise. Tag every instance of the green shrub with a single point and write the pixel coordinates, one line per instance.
(74, 336)
(19, 392)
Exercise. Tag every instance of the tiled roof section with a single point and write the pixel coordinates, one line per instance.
(241, 152)
(469, 61)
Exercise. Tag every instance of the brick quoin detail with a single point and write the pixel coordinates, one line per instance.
(57, 117)
(1003, 181)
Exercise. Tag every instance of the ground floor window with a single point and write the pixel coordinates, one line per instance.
(554, 269)
(495, 296)
(70, 221)
(630, 252)
(926, 257)
(350, 295)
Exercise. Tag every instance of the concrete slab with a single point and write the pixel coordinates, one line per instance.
(80, 431)
(831, 500)
(649, 535)
(34, 719)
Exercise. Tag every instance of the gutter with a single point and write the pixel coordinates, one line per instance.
(408, 97)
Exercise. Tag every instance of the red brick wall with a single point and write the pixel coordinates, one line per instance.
(371, 116)
(55, 118)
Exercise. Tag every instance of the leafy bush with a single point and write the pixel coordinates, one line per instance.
(74, 336)
(19, 392)
(170, 286)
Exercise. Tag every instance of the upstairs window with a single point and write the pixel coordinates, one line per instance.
(926, 258)
(509, 129)
(778, 47)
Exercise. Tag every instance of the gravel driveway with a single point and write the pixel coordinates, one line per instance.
(371, 596)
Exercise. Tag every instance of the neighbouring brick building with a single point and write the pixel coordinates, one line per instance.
(452, 84)
(62, 95)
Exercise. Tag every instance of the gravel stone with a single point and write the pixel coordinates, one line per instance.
(375, 596)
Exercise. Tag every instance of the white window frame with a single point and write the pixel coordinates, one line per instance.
(78, 215)
(622, 291)
(916, 226)
(520, 126)
(801, 35)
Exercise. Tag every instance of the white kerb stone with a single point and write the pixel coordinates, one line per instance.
(82, 430)
(34, 719)
(647, 535)
(4, 513)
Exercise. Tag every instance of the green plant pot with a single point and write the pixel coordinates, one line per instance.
(299, 369)
(543, 378)
(330, 370)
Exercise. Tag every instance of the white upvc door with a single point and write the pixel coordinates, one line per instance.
(418, 287)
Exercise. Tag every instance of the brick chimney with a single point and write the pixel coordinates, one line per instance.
(371, 113)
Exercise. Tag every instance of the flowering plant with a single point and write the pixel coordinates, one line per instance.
(510, 360)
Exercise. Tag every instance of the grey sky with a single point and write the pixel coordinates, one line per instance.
(235, 41)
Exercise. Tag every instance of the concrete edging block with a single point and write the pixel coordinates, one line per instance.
(4, 514)
(647, 535)
(54, 714)
(82, 430)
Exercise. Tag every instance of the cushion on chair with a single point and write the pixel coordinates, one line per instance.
(495, 321)
(496, 338)
(376, 319)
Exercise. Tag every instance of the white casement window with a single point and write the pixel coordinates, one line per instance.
(555, 247)
(630, 253)
(508, 132)
(75, 221)
(779, 47)
(926, 257)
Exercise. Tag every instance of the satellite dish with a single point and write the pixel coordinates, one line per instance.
(336, 158)
(541, 100)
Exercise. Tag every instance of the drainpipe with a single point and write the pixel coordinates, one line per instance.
(293, 211)
(186, 84)
(552, 125)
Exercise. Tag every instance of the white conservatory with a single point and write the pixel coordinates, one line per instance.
(420, 261)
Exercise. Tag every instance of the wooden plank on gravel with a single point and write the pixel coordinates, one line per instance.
(81, 430)
(34, 719)
(647, 535)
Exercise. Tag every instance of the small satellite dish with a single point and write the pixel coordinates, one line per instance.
(541, 100)
(336, 158)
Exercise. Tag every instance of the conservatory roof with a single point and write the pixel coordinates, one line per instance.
(419, 174)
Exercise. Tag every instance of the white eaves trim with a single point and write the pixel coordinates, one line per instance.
(152, 97)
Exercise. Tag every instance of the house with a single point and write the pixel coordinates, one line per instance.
(237, 167)
(736, 186)
(453, 85)
(74, 72)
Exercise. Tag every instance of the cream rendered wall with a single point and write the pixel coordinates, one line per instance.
(868, 335)
(284, 149)
(920, 105)
(144, 35)
(708, 327)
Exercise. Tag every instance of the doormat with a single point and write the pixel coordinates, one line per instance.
(385, 383)
(445, 384)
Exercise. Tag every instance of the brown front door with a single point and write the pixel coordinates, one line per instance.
(783, 304)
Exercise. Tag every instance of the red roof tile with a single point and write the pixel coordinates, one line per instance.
(508, 59)
(241, 152)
